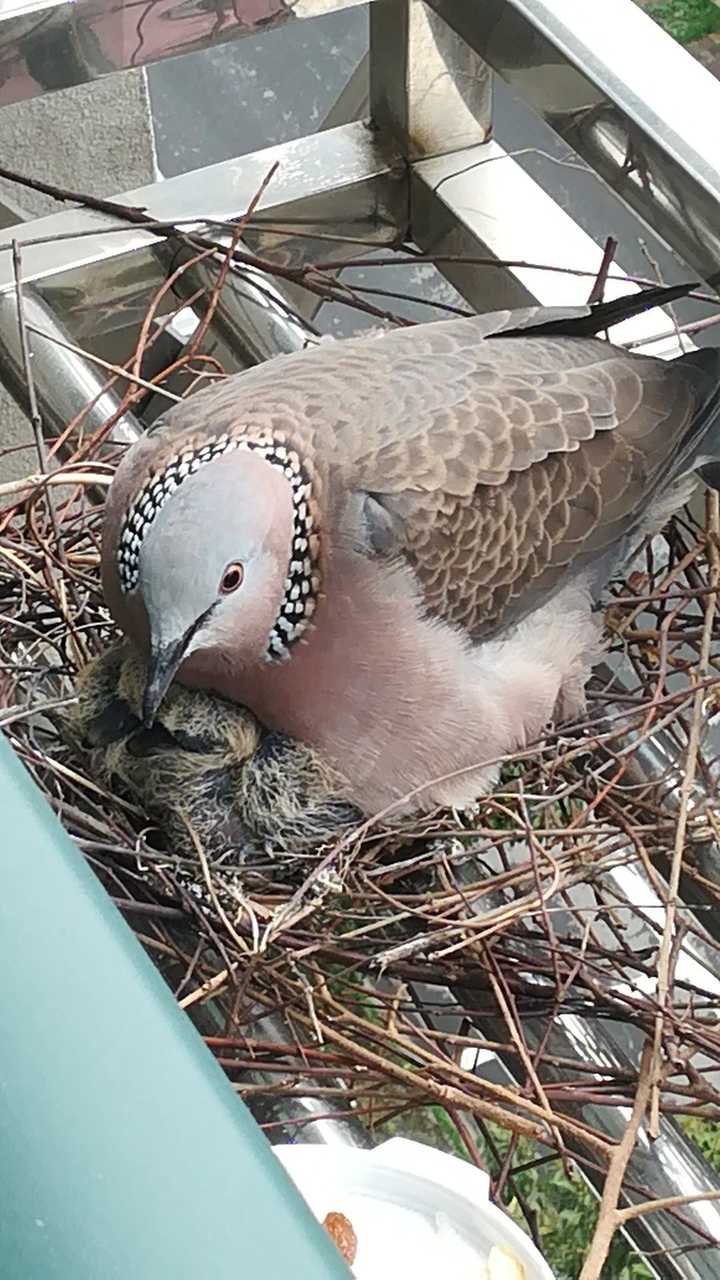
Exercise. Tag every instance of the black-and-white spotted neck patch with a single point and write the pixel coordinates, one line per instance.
(150, 500)
(302, 583)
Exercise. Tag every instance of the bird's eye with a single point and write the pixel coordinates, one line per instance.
(231, 579)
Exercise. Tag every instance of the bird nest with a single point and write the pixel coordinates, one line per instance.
(399, 955)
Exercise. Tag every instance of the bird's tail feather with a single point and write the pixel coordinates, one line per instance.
(589, 321)
(703, 445)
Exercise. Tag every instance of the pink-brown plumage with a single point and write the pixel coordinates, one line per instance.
(462, 500)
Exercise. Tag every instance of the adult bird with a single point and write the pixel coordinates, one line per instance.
(392, 548)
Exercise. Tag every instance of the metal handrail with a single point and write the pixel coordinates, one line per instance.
(624, 95)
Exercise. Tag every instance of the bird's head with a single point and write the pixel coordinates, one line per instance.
(215, 553)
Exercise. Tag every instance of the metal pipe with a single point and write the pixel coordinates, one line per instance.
(251, 314)
(624, 95)
(65, 382)
(668, 1166)
(291, 1118)
(345, 179)
(653, 765)
(285, 1113)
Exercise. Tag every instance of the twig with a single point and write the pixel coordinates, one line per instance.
(665, 1202)
(518, 1041)
(609, 1217)
(240, 942)
(54, 479)
(105, 364)
(35, 417)
(597, 293)
(210, 988)
(686, 790)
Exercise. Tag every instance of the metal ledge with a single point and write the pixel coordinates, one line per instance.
(646, 123)
(343, 178)
(480, 203)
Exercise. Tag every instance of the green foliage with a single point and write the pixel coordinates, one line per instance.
(566, 1211)
(687, 20)
(706, 1134)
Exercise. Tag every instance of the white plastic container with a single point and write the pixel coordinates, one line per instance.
(416, 1212)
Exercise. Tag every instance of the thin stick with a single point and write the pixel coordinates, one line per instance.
(35, 416)
(597, 293)
(686, 789)
(53, 479)
(209, 988)
(666, 1202)
(517, 1039)
(105, 364)
(608, 1220)
(240, 942)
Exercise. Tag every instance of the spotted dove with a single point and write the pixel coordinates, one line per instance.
(392, 548)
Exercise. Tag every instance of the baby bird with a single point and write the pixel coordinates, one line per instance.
(205, 767)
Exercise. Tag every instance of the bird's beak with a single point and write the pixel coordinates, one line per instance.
(164, 662)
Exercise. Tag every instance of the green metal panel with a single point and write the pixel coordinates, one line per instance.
(123, 1150)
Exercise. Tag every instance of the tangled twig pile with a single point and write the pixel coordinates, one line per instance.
(544, 906)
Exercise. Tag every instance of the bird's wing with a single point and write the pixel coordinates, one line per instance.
(503, 462)
(499, 459)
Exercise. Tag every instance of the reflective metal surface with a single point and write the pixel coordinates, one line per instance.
(428, 88)
(653, 766)
(481, 203)
(295, 1119)
(53, 44)
(342, 179)
(65, 382)
(625, 96)
(671, 1164)
(251, 316)
(291, 1118)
